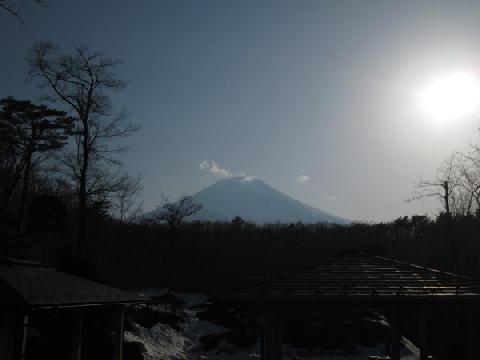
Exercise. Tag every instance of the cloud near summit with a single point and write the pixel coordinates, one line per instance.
(302, 179)
(212, 167)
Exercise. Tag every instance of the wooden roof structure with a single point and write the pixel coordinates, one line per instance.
(354, 276)
(37, 287)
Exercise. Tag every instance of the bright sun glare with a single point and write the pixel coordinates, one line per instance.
(451, 96)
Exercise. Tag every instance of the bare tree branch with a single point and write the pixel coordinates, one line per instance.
(447, 180)
(15, 8)
(174, 213)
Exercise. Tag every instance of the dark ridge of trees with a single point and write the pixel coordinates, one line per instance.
(210, 257)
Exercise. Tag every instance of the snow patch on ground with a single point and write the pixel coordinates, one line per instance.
(161, 342)
(414, 351)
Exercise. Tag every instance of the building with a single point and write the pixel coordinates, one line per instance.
(30, 293)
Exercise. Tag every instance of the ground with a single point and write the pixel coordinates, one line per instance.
(181, 341)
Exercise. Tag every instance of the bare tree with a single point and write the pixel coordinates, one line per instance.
(443, 186)
(174, 212)
(15, 7)
(468, 194)
(80, 81)
(125, 203)
(472, 177)
(457, 184)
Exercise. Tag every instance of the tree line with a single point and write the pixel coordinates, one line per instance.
(220, 256)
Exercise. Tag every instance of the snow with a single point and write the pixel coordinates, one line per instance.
(164, 342)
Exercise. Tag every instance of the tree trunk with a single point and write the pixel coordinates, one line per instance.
(10, 190)
(82, 216)
(82, 196)
(451, 240)
(24, 194)
(446, 198)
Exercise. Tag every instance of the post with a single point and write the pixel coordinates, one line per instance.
(77, 332)
(6, 333)
(423, 334)
(24, 337)
(395, 334)
(272, 336)
(472, 342)
(388, 341)
(262, 346)
(118, 338)
(17, 339)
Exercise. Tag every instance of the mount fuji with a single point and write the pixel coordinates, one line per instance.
(254, 200)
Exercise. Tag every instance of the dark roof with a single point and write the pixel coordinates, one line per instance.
(37, 287)
(354, 275)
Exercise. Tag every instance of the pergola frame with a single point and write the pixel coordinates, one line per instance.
(273, 325)
(355, 280)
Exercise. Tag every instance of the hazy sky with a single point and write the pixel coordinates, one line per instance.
(317, 98)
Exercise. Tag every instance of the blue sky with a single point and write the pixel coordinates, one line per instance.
(314, 97)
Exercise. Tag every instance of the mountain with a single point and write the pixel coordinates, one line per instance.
(254, 200)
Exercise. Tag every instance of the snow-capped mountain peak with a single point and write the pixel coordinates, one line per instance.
(254, 200)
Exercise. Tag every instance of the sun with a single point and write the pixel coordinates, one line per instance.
(451, 96)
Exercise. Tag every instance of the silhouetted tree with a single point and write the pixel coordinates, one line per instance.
(457, 184)
(125, 204)
(238, 221)
(29, 133)
(469, 170)
(443, 186)
(15, 7)
(10, 168)
(174, 212)
(80, 81)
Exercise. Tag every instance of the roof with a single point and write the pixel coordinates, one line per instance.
(357, 276)
(41, 287)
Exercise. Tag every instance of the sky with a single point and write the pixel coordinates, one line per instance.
(316, 98)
